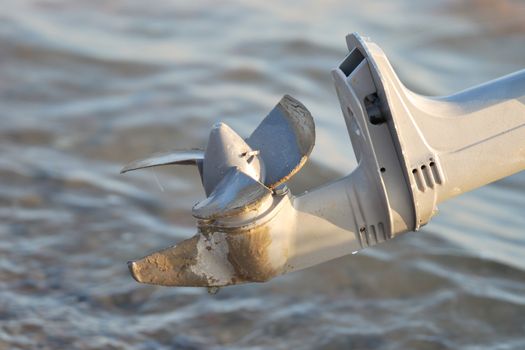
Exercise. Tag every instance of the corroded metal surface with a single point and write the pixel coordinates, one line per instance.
(217, 259)
(249, 255)
(221, 255)
(169, 266)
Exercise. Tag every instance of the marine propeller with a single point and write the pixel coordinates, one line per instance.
(240, 175)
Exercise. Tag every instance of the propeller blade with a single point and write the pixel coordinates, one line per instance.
(227, 149)
(236, 193)
(285, 139)
(185, 157)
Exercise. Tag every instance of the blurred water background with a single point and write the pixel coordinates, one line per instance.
(86, 86)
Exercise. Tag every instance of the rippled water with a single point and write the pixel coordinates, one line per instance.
(86, 86)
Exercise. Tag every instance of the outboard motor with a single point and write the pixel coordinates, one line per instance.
(413, 153)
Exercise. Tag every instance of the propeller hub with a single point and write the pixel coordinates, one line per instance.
(226, 149)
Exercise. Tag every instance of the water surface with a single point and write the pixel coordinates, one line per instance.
(86, 86)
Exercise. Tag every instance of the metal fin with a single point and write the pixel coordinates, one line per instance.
(185, 157)
(195, 262)
(227, 149)
(170, 266)
(285, 139)
(235, 193)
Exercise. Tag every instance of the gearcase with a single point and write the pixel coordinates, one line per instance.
(413, 153)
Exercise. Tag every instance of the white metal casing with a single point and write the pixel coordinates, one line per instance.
(413, 152)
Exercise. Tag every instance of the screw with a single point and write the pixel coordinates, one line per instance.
(281, 190)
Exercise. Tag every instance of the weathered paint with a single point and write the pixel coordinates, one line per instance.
(170, 267)
(212, 259)
(248, 254)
